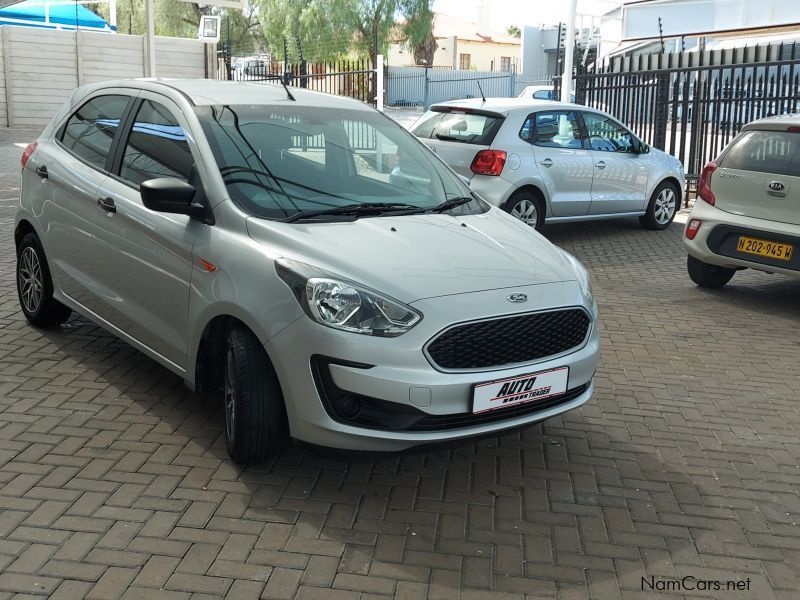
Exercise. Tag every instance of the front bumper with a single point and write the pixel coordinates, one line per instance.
(400, 378)
(715, 242)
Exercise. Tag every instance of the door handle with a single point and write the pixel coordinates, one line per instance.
(41, 171)
(107, 204)
(547, 162)
(601, 165)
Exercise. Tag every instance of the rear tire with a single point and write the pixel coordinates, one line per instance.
(35, 286)
(255, 415)
(527, 207)
(706, 275)
(664, 205)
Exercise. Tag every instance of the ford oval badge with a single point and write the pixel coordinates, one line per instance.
(517, 297)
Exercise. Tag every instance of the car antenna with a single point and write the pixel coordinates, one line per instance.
(481, 90)
(288, 93)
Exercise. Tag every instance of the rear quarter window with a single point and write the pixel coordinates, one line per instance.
(776, 152)
(459, 126)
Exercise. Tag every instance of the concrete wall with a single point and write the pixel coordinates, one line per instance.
(40, 68)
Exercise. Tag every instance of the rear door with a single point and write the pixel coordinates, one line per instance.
(564, 165)
(759, 176)
(69, 171)
(457, 134)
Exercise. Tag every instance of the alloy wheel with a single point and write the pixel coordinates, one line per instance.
(665, 206)
(230, 395)
(31, 283)
(525, 211)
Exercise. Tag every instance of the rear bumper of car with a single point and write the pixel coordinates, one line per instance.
(495, 190)
(716, 240)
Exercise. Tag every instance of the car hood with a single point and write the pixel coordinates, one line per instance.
(414, 257)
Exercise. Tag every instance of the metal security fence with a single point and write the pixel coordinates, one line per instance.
(353, 78)
(421, 86)
(692, 104)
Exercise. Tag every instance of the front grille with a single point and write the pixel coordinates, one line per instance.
(509, 340)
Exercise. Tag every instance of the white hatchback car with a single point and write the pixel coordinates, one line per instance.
(748, 209)
(546, 162)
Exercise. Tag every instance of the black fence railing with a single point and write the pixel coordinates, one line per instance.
(692, 104)
(352, 78)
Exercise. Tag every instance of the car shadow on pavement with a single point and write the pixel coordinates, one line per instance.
(596, 498)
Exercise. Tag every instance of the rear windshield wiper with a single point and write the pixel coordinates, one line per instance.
(367, 208)
(447, 138)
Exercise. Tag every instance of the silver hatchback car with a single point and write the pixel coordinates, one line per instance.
(256, 241)
(550, 162)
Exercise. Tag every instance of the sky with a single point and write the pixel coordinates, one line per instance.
(522, 12)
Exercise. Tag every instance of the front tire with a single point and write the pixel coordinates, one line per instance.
(35, 286)
(706, 275)
(255, 416)
(527, 207)
(663, 206)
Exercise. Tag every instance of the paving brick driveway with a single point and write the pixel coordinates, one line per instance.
(114, 480)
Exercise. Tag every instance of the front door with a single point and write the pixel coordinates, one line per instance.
(564, 166)
(619, 184)
(146, 256)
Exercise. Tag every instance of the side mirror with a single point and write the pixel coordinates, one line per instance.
(644, 148)
(171, 195)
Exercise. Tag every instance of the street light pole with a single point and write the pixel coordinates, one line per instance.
(150, 39)
(569, 53)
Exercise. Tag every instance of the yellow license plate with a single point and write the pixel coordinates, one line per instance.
(766, 248)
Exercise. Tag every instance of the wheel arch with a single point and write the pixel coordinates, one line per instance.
(531, 188)
(23, 228)
(677, 184)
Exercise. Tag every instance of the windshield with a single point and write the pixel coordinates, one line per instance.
(279, 161)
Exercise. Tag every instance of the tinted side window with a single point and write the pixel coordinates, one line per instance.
(775, 152)
(556, 129)
(156, 146)
(90, 130)
(606, 135)
(543, 95)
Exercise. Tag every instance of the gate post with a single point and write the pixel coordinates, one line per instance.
(425, 90)
(379, 86)
(662, 100)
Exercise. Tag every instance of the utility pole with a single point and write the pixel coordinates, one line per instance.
(150, 39)
(569, 53)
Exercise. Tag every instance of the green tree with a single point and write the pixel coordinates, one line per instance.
(417, 29)
(513, 31)
(327, 29)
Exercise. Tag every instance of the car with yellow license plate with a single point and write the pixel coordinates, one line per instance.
(747, 215)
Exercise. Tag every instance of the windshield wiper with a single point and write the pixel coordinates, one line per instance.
(366, 208)
(451, 204)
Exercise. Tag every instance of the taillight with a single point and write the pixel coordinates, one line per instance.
(704, 188)
(488, 162)
(29, 149)
(692, 228)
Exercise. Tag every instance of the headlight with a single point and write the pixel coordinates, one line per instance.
(343, 304)
(582, 275)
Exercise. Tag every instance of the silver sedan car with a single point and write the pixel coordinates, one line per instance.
(259, 242)
(549, 162)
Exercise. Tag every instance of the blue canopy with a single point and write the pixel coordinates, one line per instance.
(34, 13)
